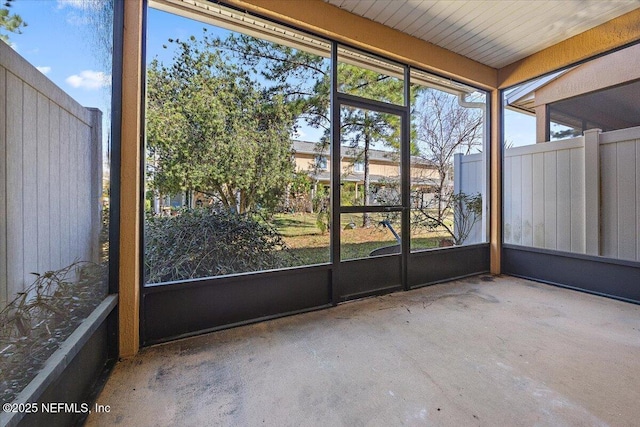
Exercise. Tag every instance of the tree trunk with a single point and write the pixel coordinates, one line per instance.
(366, 217)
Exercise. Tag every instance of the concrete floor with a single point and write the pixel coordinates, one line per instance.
(480, 351)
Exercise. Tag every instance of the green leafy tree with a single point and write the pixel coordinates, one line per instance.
(362, 129)
(304, 79)
(566, 133)
(214, 130)
(12, 23)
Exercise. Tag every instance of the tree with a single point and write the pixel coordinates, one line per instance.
(361, 129)
(304, 79)
(214, 130)
(10, 22)
(443, 129)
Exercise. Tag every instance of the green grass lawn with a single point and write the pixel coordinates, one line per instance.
(309, 246)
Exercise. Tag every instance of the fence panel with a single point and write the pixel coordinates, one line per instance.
(50, 162)
(620, 193)
(556, 197)
(547, 195)
(471, 178)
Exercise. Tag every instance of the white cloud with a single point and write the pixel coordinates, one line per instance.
(44, 70)
(77, 20)
(79, 4)
(89, 79)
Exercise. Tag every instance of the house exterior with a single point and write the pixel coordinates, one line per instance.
(384, 168)
(600, 94)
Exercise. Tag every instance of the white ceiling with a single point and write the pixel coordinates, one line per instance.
(493, 32)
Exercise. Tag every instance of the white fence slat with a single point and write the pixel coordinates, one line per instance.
(577, 201)
(73, 190)
(563, 200)
(3, 192)
(469, 180)
(55, 243)
(550, 203)
(65, 164)
(627, 217)
(42, 198)
(527, 200)
(478, 188)
(15, 242)
(609, 195)
(95, 168)
(507, 197)
(592, 191)
(537, 174)
(516, 200)
(85, 200)
(30, 185)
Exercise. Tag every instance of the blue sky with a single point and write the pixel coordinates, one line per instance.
(58, 41)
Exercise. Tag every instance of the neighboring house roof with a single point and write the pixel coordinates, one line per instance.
(325, 176)
(604, 92)
(522, 98)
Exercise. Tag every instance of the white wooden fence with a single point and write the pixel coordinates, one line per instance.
(579, 195)
(544, 195)
(470, 178)
(620, 195)
(50, 176)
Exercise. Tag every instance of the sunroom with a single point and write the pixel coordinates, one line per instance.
(455, 246)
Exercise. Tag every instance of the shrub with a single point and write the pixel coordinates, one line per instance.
(204, 242)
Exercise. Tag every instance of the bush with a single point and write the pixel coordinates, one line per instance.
(204, 242)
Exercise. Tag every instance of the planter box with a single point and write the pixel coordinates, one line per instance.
(70, 375)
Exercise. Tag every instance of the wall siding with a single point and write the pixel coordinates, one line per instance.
(47, 164)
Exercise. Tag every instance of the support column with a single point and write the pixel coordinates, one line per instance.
(495, 180)
(592, 190)
(129, 274)
(542, 124)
